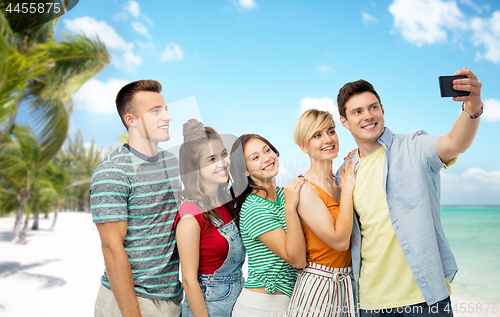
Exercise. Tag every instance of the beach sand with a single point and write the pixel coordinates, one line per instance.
(57, 273)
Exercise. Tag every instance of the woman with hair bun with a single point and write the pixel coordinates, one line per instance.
(210, 247)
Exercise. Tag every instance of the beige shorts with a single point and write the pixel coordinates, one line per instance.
(106, 306)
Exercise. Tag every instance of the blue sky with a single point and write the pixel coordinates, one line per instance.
(253, 66)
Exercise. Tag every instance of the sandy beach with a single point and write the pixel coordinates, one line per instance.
(57, 273)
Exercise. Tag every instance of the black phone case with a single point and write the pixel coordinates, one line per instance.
(446, 86)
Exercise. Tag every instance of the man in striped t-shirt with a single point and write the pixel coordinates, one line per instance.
(134, 197)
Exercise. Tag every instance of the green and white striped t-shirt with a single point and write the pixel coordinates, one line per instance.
(265, 269)
(129, 186)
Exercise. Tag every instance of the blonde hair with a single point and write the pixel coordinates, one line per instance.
(310, 122)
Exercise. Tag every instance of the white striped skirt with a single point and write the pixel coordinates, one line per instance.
(323, 291)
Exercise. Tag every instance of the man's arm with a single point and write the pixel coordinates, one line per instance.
(464, 130)
(118, 266)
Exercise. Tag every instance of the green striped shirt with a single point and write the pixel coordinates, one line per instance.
(129, 186)
(265, 269)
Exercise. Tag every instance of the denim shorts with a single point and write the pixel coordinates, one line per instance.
(219, 295)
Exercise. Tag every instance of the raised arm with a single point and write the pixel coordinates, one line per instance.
(289, 245)
(188, 244)
(315, 214)
(464, 130)
(118, 266)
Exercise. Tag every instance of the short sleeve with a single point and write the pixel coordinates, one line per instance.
(450, 163)
(192, 209)
(256, 219)
(109, 192)
(425, 147)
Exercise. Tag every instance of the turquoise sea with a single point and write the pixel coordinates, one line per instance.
(474, 235)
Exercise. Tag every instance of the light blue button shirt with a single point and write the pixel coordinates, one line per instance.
(412, 184)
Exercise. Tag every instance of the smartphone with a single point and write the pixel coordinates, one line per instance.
(446, 86)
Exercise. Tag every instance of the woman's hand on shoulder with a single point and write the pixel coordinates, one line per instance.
(350, 155)
(292, 192)
(348, 176)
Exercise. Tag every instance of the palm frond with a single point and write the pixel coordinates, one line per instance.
(52, 127)
(27, 143)
(77, 59)
(9, 201)
(13, 169)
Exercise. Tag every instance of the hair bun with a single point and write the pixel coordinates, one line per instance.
(193, 130)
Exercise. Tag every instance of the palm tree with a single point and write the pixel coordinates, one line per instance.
(16, 69)
(43, 71)
(22, 158)
(46, 195)
(79, 161)
(46, 68)
(61, 182)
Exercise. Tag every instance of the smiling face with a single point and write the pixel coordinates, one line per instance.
(261, 162)
(364, 118)
(323, 144)
(150, 118)
(214, 164)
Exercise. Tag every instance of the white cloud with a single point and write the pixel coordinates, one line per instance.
(492, 110)
(122, 55)
(141, 29)
(284, 173)
(478, 8)
(132, 8)
(247, 4)
(367, 19)
(487, 32)
(474, 186)
(96, 96)
(172, 53)
(323, 68)
(147, 46)
(324, 104)
(427, 21)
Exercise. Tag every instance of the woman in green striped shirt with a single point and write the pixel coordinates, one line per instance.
(271, 231)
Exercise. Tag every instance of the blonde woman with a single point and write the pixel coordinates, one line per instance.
(325, 287)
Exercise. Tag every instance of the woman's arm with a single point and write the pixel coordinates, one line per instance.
(188, 243)
(313, 211)
(289, 245)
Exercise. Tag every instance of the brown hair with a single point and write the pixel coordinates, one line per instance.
(351, 89)
(241, 182)
(196, 138)
(124, 97)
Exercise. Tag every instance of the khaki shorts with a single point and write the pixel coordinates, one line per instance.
(106, 306)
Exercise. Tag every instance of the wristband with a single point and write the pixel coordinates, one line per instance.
(477, 115)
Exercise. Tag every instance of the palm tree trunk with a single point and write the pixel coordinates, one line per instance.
(56, 211)
(35, 222)
(25, 194)
(12, 118)
(25, 229)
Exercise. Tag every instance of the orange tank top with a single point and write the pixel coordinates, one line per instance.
(318, 251)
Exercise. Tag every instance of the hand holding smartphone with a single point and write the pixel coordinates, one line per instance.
(446, 86)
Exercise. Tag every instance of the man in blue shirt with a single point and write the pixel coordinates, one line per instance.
(402, 262)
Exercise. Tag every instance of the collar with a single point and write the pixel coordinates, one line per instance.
(150, 159)
(386, 138)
